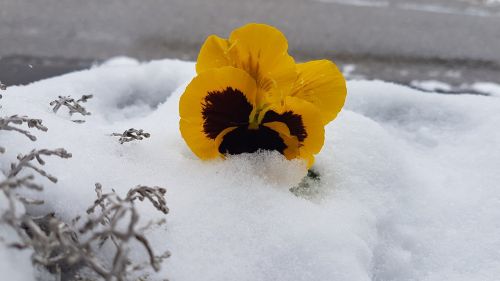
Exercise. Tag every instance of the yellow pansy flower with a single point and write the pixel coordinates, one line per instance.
(216, 119)
(250, 95)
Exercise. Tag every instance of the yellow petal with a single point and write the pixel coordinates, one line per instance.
(213, 54)
(304, 122)
(261, 50)
(213, 104)
(291, 142)
(294, 148)
(321, 83)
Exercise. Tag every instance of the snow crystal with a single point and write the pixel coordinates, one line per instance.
(408, 184)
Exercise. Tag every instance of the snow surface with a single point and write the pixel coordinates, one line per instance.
(408, 190)
(14, 264)
(481, 88)
(431, 85)
(490, 88)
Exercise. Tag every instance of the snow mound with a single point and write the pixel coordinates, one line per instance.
(408, 185)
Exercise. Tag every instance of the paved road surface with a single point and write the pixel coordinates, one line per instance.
(392, 39)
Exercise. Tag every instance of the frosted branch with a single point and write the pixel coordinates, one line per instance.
(131, 135)
(73, 105)
(6, 124)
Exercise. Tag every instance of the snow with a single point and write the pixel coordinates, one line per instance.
(431, 85)
(408, 189)
(487, 87)
(480, 88)
(17, 264)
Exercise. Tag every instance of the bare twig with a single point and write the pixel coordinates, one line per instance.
(73, 105)
(25, 161)
(84, 98)
(156, 195)
(131, 135)
(114, 209)
(19, 222)
(5, 124)
(12, 181)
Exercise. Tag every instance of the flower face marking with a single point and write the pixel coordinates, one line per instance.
(230, 108)
(224, 109)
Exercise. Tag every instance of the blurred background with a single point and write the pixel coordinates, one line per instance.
(405, 41)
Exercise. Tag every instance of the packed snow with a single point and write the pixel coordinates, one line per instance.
(408, 184)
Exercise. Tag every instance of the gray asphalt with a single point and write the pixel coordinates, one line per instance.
(383, 39)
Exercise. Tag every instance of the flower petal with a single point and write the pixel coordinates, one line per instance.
(304, 122)
(321, 83)
(292, 143)
(214, 103)
(213, 54)
(261, 50)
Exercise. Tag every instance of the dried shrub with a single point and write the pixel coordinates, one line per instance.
(13, 182)
(71, 251)
(66, 249)
(131, 135)
(7, 123)
(115, 211)
(26, 162)
(73, 105)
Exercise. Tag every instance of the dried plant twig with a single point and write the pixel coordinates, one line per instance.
(85, 98)
(5, 124)
(73, 105)
(113, 210)
(131, 135)
(12, 182)
(25, 162)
